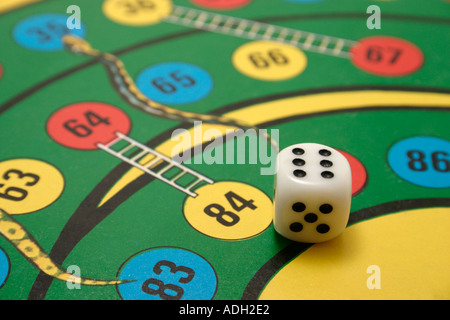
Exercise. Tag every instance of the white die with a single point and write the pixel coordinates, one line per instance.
(313, 192)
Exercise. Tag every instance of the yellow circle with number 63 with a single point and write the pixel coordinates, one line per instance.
(229, 210)
(269, 60)
(137, 12)
(28, 185)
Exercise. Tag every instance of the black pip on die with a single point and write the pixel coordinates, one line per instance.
(313, 192)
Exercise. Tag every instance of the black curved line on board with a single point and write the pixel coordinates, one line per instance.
(21, 96)
(88, 215)
(262, 277)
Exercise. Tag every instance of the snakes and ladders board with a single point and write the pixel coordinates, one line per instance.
(139, 138)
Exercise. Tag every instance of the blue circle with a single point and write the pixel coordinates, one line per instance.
(44, 32)
(424, 161)
(4, 267)
(167, 273)
(175, 83)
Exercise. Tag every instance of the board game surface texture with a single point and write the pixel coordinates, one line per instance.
(135, 161)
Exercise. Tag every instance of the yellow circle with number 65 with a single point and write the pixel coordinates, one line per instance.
(137, 12)
(269, 60)
(28, 185)
(229, 210)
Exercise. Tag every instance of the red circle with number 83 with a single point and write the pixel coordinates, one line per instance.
(84, 125)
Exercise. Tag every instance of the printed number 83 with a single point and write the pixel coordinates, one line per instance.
(162, 288)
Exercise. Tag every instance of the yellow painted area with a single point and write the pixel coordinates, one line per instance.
(288, 107)
(269, 60)
(28, 185)
(137, 13)
(334, 101)
(407, 254)
(8, 5)
(229, 210)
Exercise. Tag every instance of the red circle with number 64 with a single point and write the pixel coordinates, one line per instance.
(84, 125)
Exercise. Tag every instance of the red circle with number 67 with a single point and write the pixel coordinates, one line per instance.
(84, 125)
(387, 56)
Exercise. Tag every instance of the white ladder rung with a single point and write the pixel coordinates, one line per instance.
(127, 148)
(309, 40)
(165, 169)
(139, 155)
(200, 21)
(269, 31)
(150, 164)
(193, 185)
(175, 178)
(296, 38)
(282, 35)
(324, 44)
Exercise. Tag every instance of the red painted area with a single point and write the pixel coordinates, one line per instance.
(84, 125)
(387, 56)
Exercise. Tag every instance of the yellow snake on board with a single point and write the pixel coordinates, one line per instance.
(22, 240)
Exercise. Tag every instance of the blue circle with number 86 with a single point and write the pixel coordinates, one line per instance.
(167, 273)
(424, 161)
(175, 83)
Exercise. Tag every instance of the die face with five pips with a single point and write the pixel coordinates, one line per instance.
(313, 191)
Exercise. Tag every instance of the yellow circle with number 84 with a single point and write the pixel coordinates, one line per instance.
(269, 60)
(229, 210)
(28, 185)
(137, 12)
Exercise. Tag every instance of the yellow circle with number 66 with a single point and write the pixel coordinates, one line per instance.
(269, 60)
(28, 185)
(137, 12)
(229, 210)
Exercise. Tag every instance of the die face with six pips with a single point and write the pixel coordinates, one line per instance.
(312, 193)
